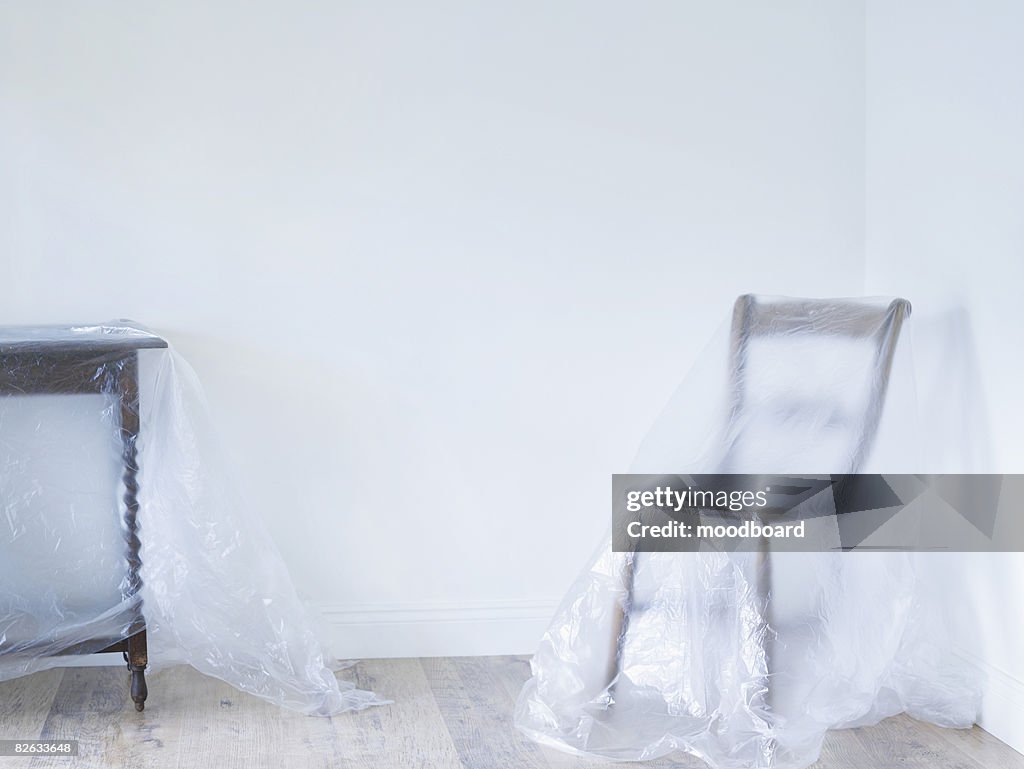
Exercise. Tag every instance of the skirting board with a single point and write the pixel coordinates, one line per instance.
(1002, 710)
(436, 630)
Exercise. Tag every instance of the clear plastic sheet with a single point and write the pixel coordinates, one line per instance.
(712, 663)
(90, 418)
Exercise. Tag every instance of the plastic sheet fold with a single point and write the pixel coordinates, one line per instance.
(708, 661)
(92, 420)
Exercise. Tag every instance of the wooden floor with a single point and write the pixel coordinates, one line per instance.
(448, 713)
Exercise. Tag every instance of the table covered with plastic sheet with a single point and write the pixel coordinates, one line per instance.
(91, 553)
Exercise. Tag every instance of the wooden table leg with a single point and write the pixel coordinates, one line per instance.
(136, 656)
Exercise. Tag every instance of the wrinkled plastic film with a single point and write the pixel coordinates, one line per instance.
(745, 659)
(211, 586)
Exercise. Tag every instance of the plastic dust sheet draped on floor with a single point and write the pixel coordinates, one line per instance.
(709, 663)
(214, 591)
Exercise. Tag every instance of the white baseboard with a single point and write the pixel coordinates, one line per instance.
(1002, 710)
(436, 630)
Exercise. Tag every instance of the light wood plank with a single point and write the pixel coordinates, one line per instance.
(901, 742)
(408, 733)
(979, 745)
(842, 749)
(25, 704)
(236, 730)
(90, 706)
(479, 716)
(448, 714)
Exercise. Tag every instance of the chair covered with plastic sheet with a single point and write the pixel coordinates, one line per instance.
(745, 659)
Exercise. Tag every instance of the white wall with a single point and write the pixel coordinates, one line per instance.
(439, 265)
(945, 185)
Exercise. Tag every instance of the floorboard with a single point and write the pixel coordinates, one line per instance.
(448, 713)
(25, 704)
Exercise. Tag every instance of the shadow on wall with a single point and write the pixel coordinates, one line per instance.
(951, 397)
(955, 431)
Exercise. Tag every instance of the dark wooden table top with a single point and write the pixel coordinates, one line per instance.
(108, 339)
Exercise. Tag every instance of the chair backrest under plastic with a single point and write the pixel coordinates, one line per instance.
(808, 381)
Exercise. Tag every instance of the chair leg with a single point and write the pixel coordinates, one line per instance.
(137, 658)
(620, 624)
(763, 588)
